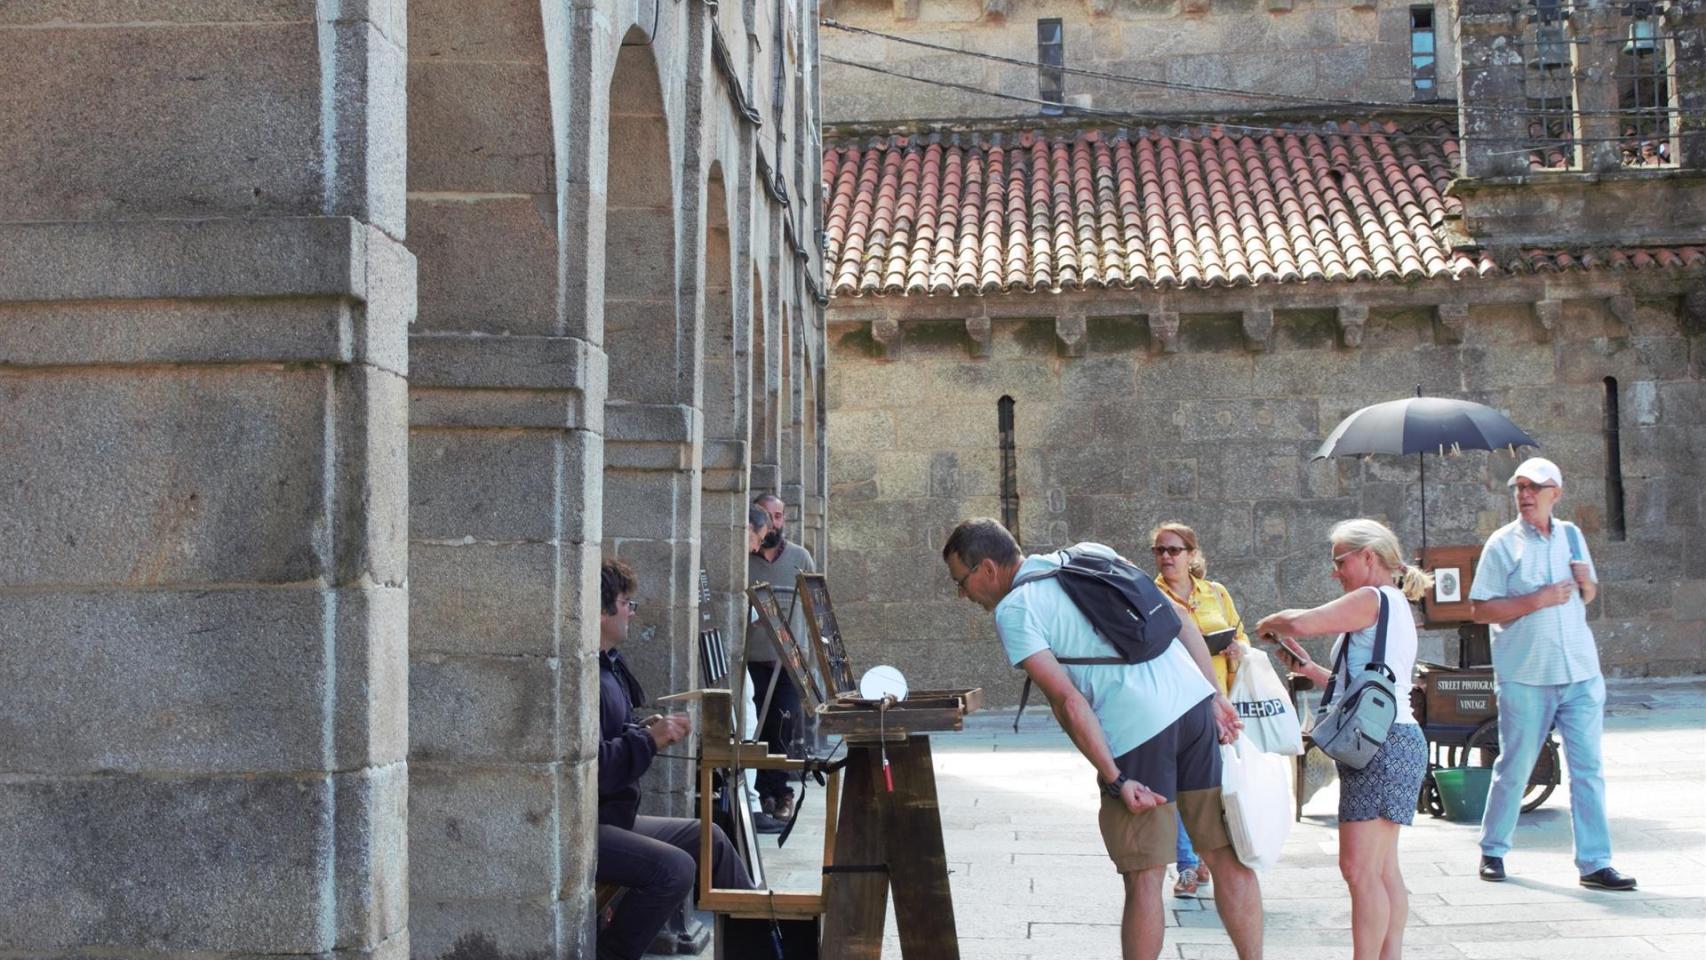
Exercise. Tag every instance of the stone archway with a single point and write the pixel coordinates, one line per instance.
(652, 424)
(725, 483)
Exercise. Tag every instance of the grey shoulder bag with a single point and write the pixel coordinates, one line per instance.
(1353, 728)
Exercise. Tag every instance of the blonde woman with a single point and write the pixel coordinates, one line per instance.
(1182, 576)
(1376, 800)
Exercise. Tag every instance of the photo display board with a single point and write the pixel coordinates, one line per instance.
(812, 589)
(789, 651)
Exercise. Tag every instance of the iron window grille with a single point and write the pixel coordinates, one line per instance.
(1645, 87)
(1548, 84)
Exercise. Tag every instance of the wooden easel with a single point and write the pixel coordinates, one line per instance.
(875, 840)
(891, 840)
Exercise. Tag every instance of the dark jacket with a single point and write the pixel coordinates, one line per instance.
(625, 749)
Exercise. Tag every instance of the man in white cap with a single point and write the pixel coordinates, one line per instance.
(1532, 585)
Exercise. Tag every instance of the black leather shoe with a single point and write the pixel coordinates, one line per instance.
(764, 823)
(1493, 869)
(1608, 879)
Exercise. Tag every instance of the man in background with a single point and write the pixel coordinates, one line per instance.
(778, 563)
(1533, 585)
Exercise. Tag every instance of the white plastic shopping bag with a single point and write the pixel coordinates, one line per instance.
(1262, 702)
(1255, 790)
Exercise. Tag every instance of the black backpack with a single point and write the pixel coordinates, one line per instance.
(1122, 603)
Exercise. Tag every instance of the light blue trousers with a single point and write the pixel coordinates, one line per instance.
(1527, 713)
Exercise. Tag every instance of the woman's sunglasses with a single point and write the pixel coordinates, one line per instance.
(1169, 551)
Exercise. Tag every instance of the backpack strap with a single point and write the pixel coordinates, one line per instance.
(1377, 660)
(1025, 693)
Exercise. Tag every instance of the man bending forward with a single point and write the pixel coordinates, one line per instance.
(1150, 729)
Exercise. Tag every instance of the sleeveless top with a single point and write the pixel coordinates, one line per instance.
(1400, 650)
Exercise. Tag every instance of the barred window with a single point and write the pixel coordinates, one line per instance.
(1549, 86)
(1645, 91)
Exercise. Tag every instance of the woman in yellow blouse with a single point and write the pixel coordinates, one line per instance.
(1180, 561)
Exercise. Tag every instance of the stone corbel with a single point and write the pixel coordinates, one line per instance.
(1622, 306)
(1194, 6)
(1352, 318)
(1258, 328)
(1101, 8)
(1453, 320)
(995, 8)
(886, 331)
(1164, 330)
(906, 9)
(1072, 331)
(982, 333)
(1548, 313)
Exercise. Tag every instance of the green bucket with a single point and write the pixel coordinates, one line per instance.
(1463, 792)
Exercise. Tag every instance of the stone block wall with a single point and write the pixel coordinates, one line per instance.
(1308, 49)
(265, 546)
(203, 408)
(1218, 434)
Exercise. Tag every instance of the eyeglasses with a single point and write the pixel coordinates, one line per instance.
(960, 584)
(1339, 560)
(1523, 486)
(633, 606)
(1160, 550)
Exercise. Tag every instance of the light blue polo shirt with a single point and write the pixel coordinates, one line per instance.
(1132, 701)
(1551, 645)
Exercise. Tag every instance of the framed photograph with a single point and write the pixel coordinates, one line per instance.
(1453, 567)
(825, 634)
(788, 650)
(1448, 585)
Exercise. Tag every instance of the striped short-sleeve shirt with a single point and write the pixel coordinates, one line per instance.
(1552, 645)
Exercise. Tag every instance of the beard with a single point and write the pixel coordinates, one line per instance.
(771, 540)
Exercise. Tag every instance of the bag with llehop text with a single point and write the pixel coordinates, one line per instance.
(1262, 702)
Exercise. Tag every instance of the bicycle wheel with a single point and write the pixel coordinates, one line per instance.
(1542, 780)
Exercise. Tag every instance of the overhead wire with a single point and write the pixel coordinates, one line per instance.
(1443, 109)
(1163, 120)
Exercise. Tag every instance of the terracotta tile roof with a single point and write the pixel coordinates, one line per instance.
(1155, 208)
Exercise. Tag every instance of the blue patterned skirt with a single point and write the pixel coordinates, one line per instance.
(1388, 786)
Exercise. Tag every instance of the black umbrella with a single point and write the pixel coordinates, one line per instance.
(1421, 425)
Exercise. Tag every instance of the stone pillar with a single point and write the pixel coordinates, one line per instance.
(1687, 25)
(1593, 25)
(204, 300)
(1490, 61)
(507, 407)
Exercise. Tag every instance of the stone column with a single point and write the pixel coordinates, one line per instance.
(1593, 25)
(1490, 61)
(506, 410)
(204, 301)
(1687, 25)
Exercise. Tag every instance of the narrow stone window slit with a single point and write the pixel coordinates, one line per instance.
(1615, 524)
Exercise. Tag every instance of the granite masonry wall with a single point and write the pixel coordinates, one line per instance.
(303, 512)
(1115, 434)
(1308, 49)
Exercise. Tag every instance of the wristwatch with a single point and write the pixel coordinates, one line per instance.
(1113, 789)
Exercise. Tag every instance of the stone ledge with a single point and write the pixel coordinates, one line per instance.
(524, 362)
(204, 259)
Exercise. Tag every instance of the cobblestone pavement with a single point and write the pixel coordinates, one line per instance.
(1030, 878)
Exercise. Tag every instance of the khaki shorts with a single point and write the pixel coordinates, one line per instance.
(1138, 841)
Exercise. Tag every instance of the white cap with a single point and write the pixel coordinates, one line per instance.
(1538, 470)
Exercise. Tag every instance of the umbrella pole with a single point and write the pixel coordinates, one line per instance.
(1422, 462)
(1422, 465)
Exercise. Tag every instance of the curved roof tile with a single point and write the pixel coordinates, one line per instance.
(1161, 208)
